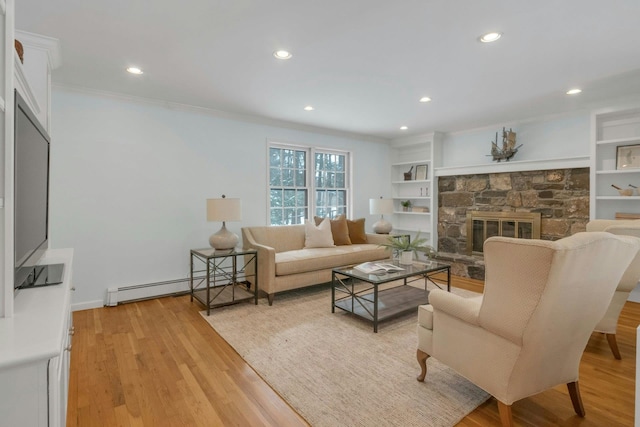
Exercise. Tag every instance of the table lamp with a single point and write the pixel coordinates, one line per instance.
(224, 210)
(380, 207)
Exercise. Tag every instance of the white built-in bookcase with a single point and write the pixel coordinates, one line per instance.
(414, 155)
(613, 130)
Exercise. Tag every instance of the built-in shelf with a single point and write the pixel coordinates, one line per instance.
(411, 213)
(625, 198)
(411, 163)
(515, 166)
(618, 141)
(423, 233)
(616, 171)
(612, 129)
(415, 154)
(413, 181)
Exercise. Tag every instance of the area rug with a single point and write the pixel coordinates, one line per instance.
(335, 371)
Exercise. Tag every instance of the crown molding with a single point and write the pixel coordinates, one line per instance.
(48, 44)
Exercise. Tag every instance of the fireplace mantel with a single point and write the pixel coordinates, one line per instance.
(515, 166)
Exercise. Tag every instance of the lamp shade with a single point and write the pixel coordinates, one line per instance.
(224, 209)
(380, 206)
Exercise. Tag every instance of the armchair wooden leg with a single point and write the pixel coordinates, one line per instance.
(505, 414)
(422, 361)
(574, 393)
(270, 298)
(613, 344)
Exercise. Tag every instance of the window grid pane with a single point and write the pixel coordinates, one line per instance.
(289, 194)
(287, 181)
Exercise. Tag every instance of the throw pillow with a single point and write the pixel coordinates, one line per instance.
(356, 231)
(339, 229)
(318, 236)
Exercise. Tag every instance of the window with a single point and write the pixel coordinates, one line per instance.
(288, 192)
(290, 185)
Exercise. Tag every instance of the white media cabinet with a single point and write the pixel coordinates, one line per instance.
(35, 350)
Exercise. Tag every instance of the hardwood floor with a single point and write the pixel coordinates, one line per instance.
(157, 363)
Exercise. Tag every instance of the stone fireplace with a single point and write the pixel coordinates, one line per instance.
(559, 196)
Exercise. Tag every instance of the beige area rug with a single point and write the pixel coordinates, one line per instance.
(335, 371)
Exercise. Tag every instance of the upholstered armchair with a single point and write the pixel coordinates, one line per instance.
(528, 331)
(609, 323)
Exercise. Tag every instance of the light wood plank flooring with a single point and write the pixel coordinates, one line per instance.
(157, 362)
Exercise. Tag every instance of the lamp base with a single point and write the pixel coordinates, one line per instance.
(382, 227)
(223, 239)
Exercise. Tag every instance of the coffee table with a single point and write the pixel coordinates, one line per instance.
(365, 295)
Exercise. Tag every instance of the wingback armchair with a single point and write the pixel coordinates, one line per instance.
(528, 331)
(609, 323)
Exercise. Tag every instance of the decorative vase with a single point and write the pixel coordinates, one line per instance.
(406, 257)
(19, 50)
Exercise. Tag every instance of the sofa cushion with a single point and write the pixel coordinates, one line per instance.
(318, 236)
(311, 259)
(356, 231)
(339, 229)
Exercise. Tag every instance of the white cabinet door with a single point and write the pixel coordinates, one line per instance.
(24, 403)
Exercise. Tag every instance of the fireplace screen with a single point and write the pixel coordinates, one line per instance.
(482, 225)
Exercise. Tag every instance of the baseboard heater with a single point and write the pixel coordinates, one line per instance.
(145, 291)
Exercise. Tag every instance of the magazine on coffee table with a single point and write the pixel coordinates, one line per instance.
(377, 267)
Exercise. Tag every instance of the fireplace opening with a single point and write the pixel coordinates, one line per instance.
(482, 225)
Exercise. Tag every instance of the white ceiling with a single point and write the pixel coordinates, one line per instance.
(363, 64)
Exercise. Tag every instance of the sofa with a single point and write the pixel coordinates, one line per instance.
(285, 260)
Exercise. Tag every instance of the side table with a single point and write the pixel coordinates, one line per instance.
(228, 276)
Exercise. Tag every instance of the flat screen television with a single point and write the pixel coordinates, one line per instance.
(31, 200)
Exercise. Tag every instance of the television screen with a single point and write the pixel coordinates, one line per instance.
(31, 192)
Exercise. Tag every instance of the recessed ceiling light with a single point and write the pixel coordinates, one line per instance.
(282, 54)
(403, 128)
(308, 108)
(134, 70)
(574, 91)
(425, 99)
(490, 37)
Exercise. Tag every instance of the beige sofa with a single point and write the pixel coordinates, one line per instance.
(284, 263)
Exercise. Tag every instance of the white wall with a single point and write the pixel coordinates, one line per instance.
(129, 182)
(545, 138)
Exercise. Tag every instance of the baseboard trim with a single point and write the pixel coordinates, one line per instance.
(87, 305)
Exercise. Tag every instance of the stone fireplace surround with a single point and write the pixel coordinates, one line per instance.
(561, 196)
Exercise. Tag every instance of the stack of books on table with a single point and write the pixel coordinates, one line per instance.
(377, 267)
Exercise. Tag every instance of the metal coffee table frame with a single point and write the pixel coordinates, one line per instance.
(370, 302)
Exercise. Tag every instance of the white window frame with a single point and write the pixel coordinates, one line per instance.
(310, 175)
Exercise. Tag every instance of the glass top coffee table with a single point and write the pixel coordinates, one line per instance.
(374, 297)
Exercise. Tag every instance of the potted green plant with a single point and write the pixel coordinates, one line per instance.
(406, 204)
(408, 248)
